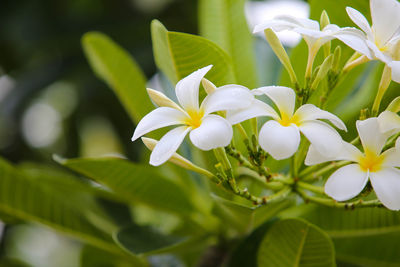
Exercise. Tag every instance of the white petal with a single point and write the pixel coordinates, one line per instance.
(168, 145)
(385, 19)
(378, 53)
(279, 141)
(227, 97)
(187, 89)
(348, 152)
(391, 157)
(388, 121)
(359, 20)
(371, 138)
(283, 97)
(395, 66)
(310, 112)
(301, 22)
(158, 118)
(355, 41)
(276, 25)
(213, 132)
(346, 183)
(256, 109)
(386, 184)
(323, 137)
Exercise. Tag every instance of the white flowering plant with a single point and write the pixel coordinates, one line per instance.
(275, 157)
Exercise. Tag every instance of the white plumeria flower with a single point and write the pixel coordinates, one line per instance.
(280, 137)
(207, 131)
(348, 181)
(311, 32)
(383, 36)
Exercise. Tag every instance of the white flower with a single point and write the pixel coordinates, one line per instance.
(311, 32)
(207, 131)
(280, 137)
(348, 181)
(383, 36)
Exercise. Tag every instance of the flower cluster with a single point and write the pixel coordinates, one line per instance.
(288, 114)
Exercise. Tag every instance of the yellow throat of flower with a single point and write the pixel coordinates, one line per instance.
(287, 120)
(371, 161)
(195, 118)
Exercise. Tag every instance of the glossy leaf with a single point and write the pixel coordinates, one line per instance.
(224, 22)
(118, 69)
(294, 242)
(135, 183)
(179, 54)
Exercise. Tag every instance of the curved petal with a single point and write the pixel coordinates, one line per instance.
(378, 54)
(359, 20)
(158, 118)
(386, 184)
(388, 121)
(227, 97)
(256, 109)
(391, 157)
(385, 19)
(309, 112)
(348, 152)
(213, 132)
(355, 41)
(346, 183)
(395, 66)
(187, 89)
(371, 139)
(279, 141)
(283, 97)
(323, 137)
(301, 22)
(168, 145)
(276, 25)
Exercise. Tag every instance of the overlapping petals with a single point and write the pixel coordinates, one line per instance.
(348, 181)
(207, 131)
(280, 137)
(382, 37)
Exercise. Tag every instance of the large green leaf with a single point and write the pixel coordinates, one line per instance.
(224, 22)
(244, 218)
(26, 198)
(340, 223)
(135, 183)
(377, 250)
(294, 242)
(117, 68)
(179, 54)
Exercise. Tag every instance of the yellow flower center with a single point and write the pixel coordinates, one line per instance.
(195, 118)
(286, 120)
(371, 161)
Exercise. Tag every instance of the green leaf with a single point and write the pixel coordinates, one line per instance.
(377, 250)
(92, 257)
(244, 218)
(179, 54)
(336, 10)
(224, 22)
(135, 183)
(24, 198)
(351, 223)
(117, 68)
(145, 240)
(294, 242)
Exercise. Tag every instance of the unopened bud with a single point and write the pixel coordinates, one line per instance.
(161, 100)
(324, 68)
(208, 86)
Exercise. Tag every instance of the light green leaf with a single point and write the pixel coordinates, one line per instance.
(24, 198)
(135, 183)
(294, 242)
(179, 54)
(244, 218)
(224, 22)
(350, 223)
(377, 250)
(117, 68)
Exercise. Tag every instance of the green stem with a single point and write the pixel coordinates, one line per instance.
(322, 171)
(310, 187)
(333, 203)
